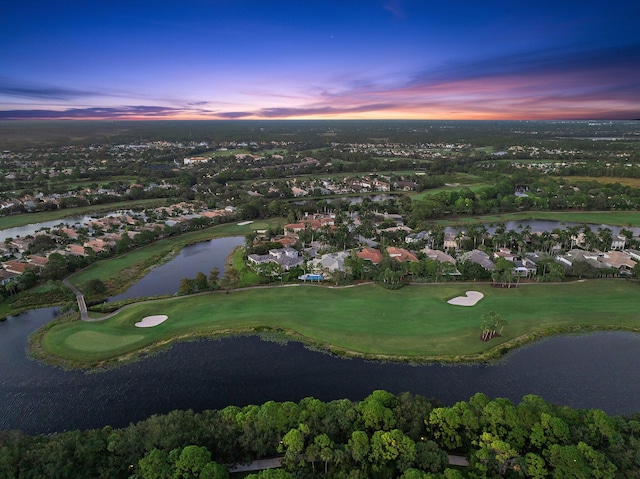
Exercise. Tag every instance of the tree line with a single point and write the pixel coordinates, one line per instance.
(383, 436)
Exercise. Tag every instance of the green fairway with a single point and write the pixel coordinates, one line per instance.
(414, 323)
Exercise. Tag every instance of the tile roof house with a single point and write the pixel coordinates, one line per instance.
(38, 261)
(370, 254)
(17, 267)
(618, 260)
(401, 255)
(6, 277)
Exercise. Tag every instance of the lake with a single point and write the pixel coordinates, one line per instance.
(597, 370)
(199, 257)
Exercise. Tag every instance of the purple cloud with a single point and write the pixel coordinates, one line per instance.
(12, 88)
(131, 112)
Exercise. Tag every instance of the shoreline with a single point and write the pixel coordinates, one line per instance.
(280, 333)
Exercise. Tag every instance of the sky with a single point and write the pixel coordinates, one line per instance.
(308, 59)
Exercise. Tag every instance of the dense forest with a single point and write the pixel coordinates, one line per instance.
(383, 436)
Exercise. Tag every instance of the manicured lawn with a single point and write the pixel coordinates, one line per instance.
(415, 322)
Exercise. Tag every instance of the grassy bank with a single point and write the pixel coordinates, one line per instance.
(120, 272)
(414, 323)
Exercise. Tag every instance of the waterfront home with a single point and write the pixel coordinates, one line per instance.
(478, 257)
(370, 254)
(287, 258)
(401, 255)
(330, 262)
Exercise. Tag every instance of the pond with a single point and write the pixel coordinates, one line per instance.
(198, 257)
(545, 225)
(30, 229)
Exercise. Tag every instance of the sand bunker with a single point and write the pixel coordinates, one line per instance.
(151, 321)
(471, 298)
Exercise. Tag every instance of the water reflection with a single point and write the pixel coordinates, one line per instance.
(199, 257)
(597, 370)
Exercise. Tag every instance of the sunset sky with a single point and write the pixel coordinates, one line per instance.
(343, 59)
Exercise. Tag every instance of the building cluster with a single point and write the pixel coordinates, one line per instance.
(318, 258)
(97, 236)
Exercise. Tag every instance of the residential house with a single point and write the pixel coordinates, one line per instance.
(20, 245)
(330, 262)
(478, 257)
(524, 267)
(16, 267)
(437, 255)
(580, 255)
(401, 255)
(38, 261)
(370, 254)
(196, 160)
(6, 277)
(70, 233)
(405, 185)
(619, 260)
(451, 241)
(98, 245)
(417, 237)
(618, 242)
(76, 249)
(506, 254)
(287, 258)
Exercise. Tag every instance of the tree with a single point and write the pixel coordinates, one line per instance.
(95, 287)
(191, 462)
(635, 272)
(214, 274)
(155, 465)
(359, 446)
(186, 286)
(201, 283)
(231, 279)
(491, 321)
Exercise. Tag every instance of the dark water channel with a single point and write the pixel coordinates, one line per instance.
(199, 257)
(598, 370)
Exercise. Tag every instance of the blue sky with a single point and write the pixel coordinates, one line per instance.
(452, 59)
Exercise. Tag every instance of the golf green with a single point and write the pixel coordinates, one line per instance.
(414, 323)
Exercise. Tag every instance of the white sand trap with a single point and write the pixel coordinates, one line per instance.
(245, 223)
(471, 298)
(151, 321)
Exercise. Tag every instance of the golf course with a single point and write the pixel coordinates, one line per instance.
(415, 323)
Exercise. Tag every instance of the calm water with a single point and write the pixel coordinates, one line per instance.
(22, 231)
(597, 370)
(547, 225)
(199, 257)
